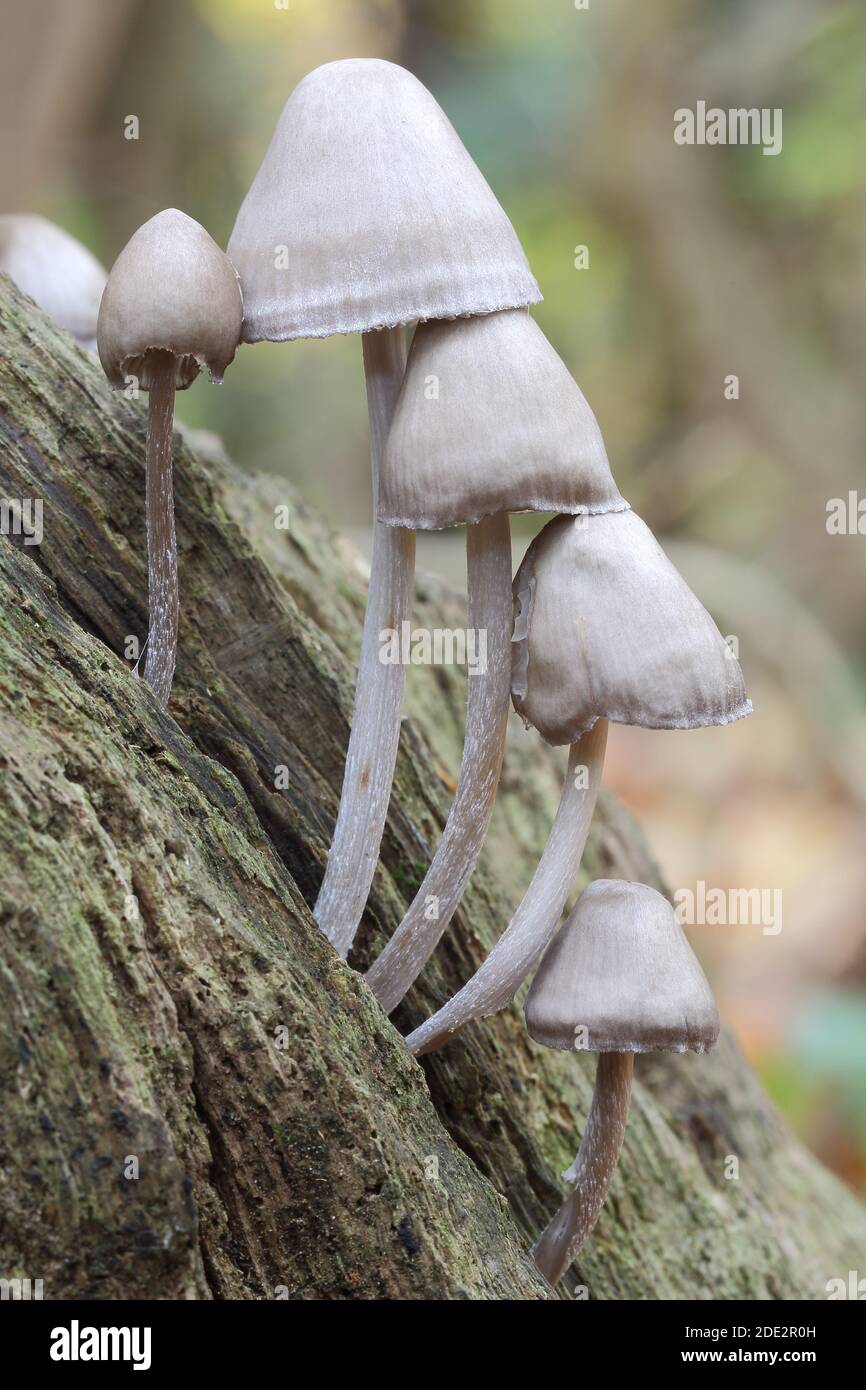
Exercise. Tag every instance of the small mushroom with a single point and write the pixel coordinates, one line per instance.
(506, 430)
(606, 629)
(172, 305)
(384, 215)
(60, 274)
(615, 632)
(619, 978)
(368, 214)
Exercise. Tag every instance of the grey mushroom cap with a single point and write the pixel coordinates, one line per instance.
(368, 212)
(60, 274)
(620, 976)
(607, 628)
(171, 288)
(489, 419)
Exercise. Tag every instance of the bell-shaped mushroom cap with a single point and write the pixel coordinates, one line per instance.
(620, 976)
(606, 627)
(54, 269)
(172, 288)
(489, 419)
(368, 212)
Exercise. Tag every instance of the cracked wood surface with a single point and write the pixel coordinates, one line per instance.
(167, 997)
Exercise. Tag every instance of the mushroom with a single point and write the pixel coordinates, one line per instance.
(56, 271)
(619, 978)
(506, 430)
(368, 214)
(172, 305)
(606, 629)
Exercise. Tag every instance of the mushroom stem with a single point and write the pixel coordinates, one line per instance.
(375, 734)
(162, 590)
(488, 568)
(498, 978)
(593, 1168)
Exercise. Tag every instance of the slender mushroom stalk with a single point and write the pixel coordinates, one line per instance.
(375, 734)
(488, 569)
(172, 304)
(499, 977)
(507, 429)
(63, 277)
(368, 213)
(593, 1168)
(620, 978)
(162, 591)
(606, 630)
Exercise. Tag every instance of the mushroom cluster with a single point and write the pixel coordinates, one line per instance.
(606, 629)
(366, 216)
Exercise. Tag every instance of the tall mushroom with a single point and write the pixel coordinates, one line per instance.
(172, 305)
(368, 214)
(60, 274)
(606, 629)
(489, 421)
(619, 978)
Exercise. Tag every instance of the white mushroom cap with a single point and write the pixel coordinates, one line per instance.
(622, 971)
(489, 419)
(606, 627)
(382, 215)
(171, 288)
(54, 269)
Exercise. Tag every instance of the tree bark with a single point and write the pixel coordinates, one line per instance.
(167, 1005)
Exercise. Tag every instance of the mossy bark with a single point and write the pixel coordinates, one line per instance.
(169, 1008)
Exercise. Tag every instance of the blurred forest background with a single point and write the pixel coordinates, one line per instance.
(703, 262)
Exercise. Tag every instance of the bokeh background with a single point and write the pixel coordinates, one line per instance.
(703, 262)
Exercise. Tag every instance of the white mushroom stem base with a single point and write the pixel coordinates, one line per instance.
(375, 734)
(162, 590)
(488, 569)
(528, 935)
(593, 1168)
